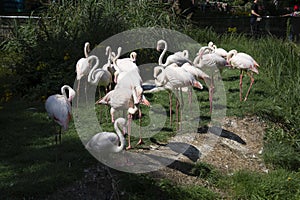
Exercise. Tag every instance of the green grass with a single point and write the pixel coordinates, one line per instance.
(278, 184)
(32, 167)
(31, 164)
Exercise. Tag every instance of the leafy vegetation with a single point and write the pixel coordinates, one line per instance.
(40, 56)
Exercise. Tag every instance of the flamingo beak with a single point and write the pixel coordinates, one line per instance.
(145, 102)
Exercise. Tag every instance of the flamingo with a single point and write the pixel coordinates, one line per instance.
(100, 76)
(108, 141)
(124, 64)
(122, 99)
(174, 77)
(178, 57)
(208, 59)
(58, 107)
(82, 68)
(220, 51)
(245, 63)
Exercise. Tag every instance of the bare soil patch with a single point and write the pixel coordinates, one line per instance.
(225, 154)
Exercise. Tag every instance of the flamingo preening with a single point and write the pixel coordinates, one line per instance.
(245, 63)
(58, 107)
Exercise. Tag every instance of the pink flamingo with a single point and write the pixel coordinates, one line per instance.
(245, 63)
(58, 107)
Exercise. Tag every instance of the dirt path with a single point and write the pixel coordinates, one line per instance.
(225, 154)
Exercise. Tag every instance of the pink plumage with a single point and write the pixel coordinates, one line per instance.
(58, 107)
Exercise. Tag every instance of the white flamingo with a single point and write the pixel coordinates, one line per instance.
(122, 99)
(178, 57)
(82, 69)
(207, 59)
(245, 63)
(124, 64)
(220, 51)
(100, 76)
(58, 107)
(175, 78)
(109, 141)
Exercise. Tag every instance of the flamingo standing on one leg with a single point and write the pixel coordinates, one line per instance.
(58, 107)
(245, 63)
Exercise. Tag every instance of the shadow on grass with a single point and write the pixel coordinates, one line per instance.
(221, 132)
(32, 167)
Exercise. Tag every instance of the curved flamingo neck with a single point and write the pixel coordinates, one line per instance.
(86, 49)
(91, 74)
(63, 92)
(230, 54)
(120, 135)
(163, 53)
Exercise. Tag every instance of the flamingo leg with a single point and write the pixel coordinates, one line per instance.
(170, 108)
(112, 114)
(59, 135)
(241, 85)
(181, 108)
(140, 120)
(177, 110)
(251, 83)
(190, 97)
(129, 131)
(85, 91)
(78, 85)
(211, 92)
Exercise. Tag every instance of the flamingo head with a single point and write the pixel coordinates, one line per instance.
(72, 94)
(160, 45)
(133, 56)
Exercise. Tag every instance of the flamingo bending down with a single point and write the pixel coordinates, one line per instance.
(108, 141)
(58, 107)
(178, 57)
(245, 63)
(83, 69)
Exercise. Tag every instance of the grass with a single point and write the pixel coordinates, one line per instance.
(33, 167)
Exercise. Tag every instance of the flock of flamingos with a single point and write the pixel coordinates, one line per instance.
(177, 72)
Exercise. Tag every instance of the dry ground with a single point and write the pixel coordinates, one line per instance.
(225, 154)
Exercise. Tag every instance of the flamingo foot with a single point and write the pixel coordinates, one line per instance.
(128, 147)
(140, 142)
